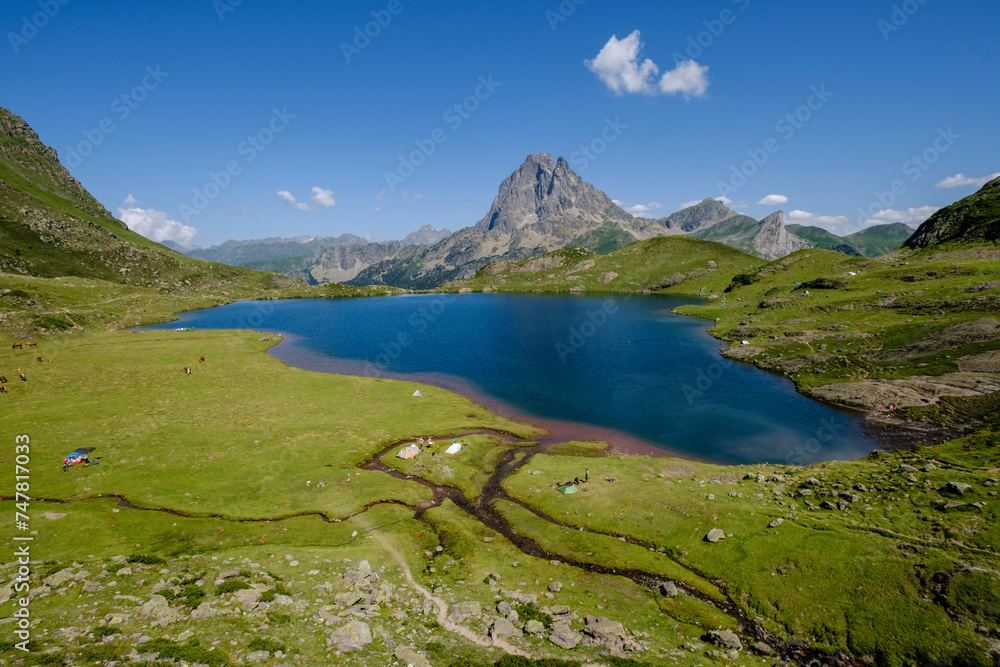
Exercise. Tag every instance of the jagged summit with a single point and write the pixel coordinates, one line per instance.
(543, 188)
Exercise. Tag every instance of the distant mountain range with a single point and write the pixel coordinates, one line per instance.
(975, 218)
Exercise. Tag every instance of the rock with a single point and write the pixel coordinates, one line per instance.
(59, 578)
(352, 636)
(604, 630)
(519, 598)
(504, 608)
(827, 505)
(555, 587)
(157, 608)
(812, 481)
(410, 658)
(349, 599)
(112, 620)
(958, 488)
(930, 467)
(715, 535)
(861, 487)
(384, 593)
(953, 504)
(557, 610)
(563, 636)
(257, 656)
(464, 610)
(534, 627)
(124, 572)
(726, 639)
(205, 610)
(503, 628)
(762, 649)
(777, 522)
(905, 469)
(805, 492)
(226, 574)
(607, 277)
(92, 587)
(358, 574)
(247, 598)
(669, 589)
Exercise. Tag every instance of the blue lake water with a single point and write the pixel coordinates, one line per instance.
(622, 365)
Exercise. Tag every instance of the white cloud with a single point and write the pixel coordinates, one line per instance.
(322, 198)
(689, 204)
(773, 200)
(725, 200)
(154, 225)
(688, 78)
(290, 198)
(640, 209)
(618, 66)
(911, 216)
(833, 223)
(960, 180)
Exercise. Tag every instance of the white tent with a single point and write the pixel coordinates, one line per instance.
(454, 449)
(409, 452)
(417, 393)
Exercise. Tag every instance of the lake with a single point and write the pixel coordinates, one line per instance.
(623, 369)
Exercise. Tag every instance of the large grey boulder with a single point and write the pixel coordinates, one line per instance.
(726, 639)
(352, 636)
(502, 628)
(715, 535)
(464, 610)
(410, 658)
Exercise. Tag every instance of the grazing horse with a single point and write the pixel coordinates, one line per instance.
(23, 377)
(3, 389)
(39, 357)
(187, 369)
(17, 346)
(3, 379)
(201, 359)
(32, 344)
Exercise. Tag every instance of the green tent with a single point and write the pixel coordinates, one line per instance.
(566, 488)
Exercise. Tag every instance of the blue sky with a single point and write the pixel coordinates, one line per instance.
(265, 97)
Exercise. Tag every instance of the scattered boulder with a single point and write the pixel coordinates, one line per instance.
(957, 488)
(158, 609)
(534, 628)
(502, 628)
(257, 656)
(777, 522)
(352, 636)
(555, 587)
(669, 589)
(410, 657)
(905, 469)
(59, 578)
(726, 639)
(715, 535)
(464, 610)
(604, 630)
(562, 635)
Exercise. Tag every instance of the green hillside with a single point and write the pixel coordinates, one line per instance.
(821, 238)
(975, 218)
(873, 241)
(695, 266)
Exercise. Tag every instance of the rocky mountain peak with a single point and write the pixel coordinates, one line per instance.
(542, 188)
(702, 215)
(773, 240)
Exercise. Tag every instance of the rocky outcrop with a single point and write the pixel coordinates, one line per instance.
(973, 219)
(773, 241)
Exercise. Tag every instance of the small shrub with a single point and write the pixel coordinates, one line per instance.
(188, 653)
(532, 613)
(267, 596)
(146, 559)
(191, 596)
(231, 586)
(278, 618)
(102, 632)
(269, 645)
(281, 589)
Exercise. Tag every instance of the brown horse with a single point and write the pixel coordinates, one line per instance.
(32, 344)
(201, 359)
(3, 379)
(17, 346)
(187, 369)
(3, 389)
(23, 377)
(39, 357)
